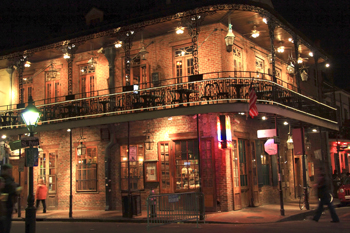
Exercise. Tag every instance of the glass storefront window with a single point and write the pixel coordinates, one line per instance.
(136, 156)
(186, 162)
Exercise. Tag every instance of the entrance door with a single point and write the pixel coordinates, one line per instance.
(23, 184)
(47, 172)
(243, 170)
(208, 174)
(254, 184)
(166, 174)
(237, 205)
(298, 176)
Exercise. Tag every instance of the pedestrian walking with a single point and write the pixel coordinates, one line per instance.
(324, 199)
(12, 190)
(3, 199)
(41, 193)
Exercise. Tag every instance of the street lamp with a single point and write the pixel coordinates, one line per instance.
(30, 116)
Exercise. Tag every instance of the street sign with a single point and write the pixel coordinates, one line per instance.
(31, 157)
(270, 147)
(266, 133)
(30, 141)
(15, 145)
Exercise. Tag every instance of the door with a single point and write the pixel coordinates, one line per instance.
(298, 176)
(208, 174)
(87, 85)
(254, 176)
(243, 172)
(48, 172)
(166, 174)
(52, 91)
(237, 205)
(23, 183)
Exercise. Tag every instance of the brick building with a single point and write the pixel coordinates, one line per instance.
(149, 94)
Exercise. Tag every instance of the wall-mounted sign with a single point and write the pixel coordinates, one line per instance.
(270, 147)
(132, 153)
(224, 131)
(266, 133)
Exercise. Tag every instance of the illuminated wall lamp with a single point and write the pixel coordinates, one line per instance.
(290, 144)
(66, 56)
(81, 149)
(118, 44)
(27, 64)
(179, 30)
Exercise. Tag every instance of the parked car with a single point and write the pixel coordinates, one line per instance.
(344, 192)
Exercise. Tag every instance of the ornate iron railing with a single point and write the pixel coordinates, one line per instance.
(209, 88)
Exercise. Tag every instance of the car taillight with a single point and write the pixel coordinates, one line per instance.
(341, 190)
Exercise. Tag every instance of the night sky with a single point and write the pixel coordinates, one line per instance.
(327, 22)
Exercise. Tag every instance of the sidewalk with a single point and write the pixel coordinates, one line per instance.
(250, 215)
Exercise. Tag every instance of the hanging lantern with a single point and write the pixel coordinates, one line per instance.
(81, 149)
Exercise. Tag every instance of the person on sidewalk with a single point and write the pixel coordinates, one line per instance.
(40, 195)
(3, 198)
(323, 196)
(12, 190)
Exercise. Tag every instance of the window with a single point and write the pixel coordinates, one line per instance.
(186, 163)
(52, 91)
(259, 65)
(183, 63)
(235, 163)
(28, 91)
(136, 155)
(243, 163)
(279, 76)
(87, 81)
(47, 170)
(86, 172)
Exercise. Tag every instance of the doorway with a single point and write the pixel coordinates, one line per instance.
(298, 177)
(48, 172)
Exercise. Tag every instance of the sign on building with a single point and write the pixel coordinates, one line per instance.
(29, 141)
(31, 157)
(270, 147)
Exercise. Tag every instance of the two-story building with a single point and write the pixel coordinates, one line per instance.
(147, 104)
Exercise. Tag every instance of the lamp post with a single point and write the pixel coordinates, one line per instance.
(30, 116)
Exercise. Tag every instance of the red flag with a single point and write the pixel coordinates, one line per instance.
(253, 110)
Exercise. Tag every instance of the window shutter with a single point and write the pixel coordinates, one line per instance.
(258, 162)
(274, 170)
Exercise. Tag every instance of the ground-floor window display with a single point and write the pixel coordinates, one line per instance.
(135, 160)
(86, 170)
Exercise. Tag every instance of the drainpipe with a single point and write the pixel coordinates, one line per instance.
(279, 171)
(108, 180)
(110, 53)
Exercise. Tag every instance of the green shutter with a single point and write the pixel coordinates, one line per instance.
(274, 170)
(258, 162)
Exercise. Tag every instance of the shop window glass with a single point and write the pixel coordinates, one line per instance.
(136, 155)
(186, 162)
(86, 171)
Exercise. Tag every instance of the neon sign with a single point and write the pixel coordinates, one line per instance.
(224, 131)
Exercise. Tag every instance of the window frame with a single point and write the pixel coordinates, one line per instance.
(94, 166)
(135, 167)
(194, 168)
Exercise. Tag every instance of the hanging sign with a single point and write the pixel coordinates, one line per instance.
(270, 147)
(132, 153)
(31, 157)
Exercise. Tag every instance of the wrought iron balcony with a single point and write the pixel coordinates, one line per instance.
(181, 92)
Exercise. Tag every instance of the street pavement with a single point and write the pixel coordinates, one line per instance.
(262, 214)
(305, 225)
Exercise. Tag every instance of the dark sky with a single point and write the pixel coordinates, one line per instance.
(326, 21)
(323, 20)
